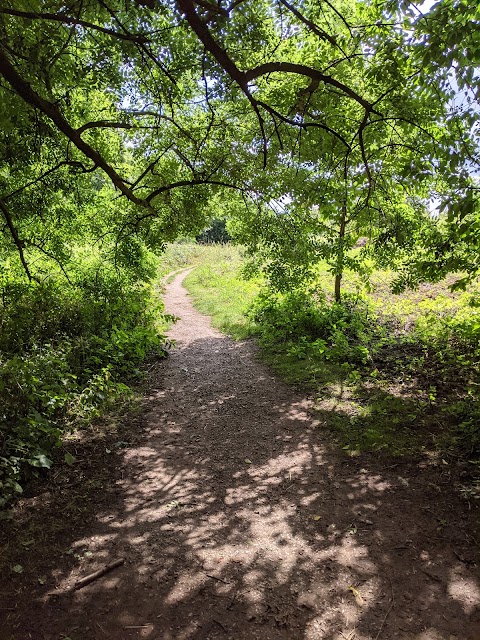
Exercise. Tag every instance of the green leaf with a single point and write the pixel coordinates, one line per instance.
(41, 460)
(69, 459)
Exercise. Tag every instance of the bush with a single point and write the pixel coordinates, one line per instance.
(310, 326)
(64, 349)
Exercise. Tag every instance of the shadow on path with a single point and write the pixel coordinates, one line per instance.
(237, 519)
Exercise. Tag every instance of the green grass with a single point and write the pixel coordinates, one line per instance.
(218, 290)
(411, 396)
(180, 255)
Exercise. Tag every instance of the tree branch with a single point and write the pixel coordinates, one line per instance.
(64, 163)
(303, 124)
(141, 45)
(160, 116)
(31, 97)
(151, 166)
(63, 19)
(52, 257)
(105, 124)
(190, 183)
(339, 15)
(309, 72)
(211, 45)
(212, 7)
(311, 25)
(242, 78)
(364, 155)
(15, 237)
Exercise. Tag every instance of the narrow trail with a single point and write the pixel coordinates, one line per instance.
(238, 519)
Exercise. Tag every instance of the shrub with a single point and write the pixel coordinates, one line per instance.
(65, 349)
(311, 326)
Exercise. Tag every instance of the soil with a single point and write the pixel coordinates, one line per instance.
(238, 517)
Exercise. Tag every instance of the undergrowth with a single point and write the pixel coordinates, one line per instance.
(68, 350)
(395, 373)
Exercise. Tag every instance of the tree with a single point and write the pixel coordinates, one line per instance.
(126, 92)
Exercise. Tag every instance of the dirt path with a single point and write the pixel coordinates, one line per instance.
(238, 520)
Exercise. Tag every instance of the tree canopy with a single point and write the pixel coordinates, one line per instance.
(155, 107)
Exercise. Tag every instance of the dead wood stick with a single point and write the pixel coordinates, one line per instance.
(392, 602)
(216, 578)
(220, 625)
(97, 574)
(138, 626)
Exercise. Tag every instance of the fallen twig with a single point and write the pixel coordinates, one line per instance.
(97, 574)
(232, 601)
(220, 625)
(392, 602)
(88, 579)
(432, 576)
(138, 626)
(215, 578)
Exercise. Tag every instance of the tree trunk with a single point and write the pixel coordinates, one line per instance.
(341, 239)
(338, 281)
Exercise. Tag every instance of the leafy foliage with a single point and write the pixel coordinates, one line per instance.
(305, 125)
(66, 361)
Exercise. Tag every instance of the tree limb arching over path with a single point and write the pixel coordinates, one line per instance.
(238, 519)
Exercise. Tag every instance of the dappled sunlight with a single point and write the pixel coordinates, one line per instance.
(354, 556)
(466, 591)
(237, 519)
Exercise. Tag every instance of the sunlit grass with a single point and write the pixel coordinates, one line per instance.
(219, 290)
(402, 400)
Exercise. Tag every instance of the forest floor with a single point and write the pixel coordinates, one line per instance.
(238, 517)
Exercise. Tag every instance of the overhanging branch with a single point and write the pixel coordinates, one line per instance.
(31, 97)
(190, 183)
(65, 163)
(15, 237)
(63, 19)
(311, 25)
